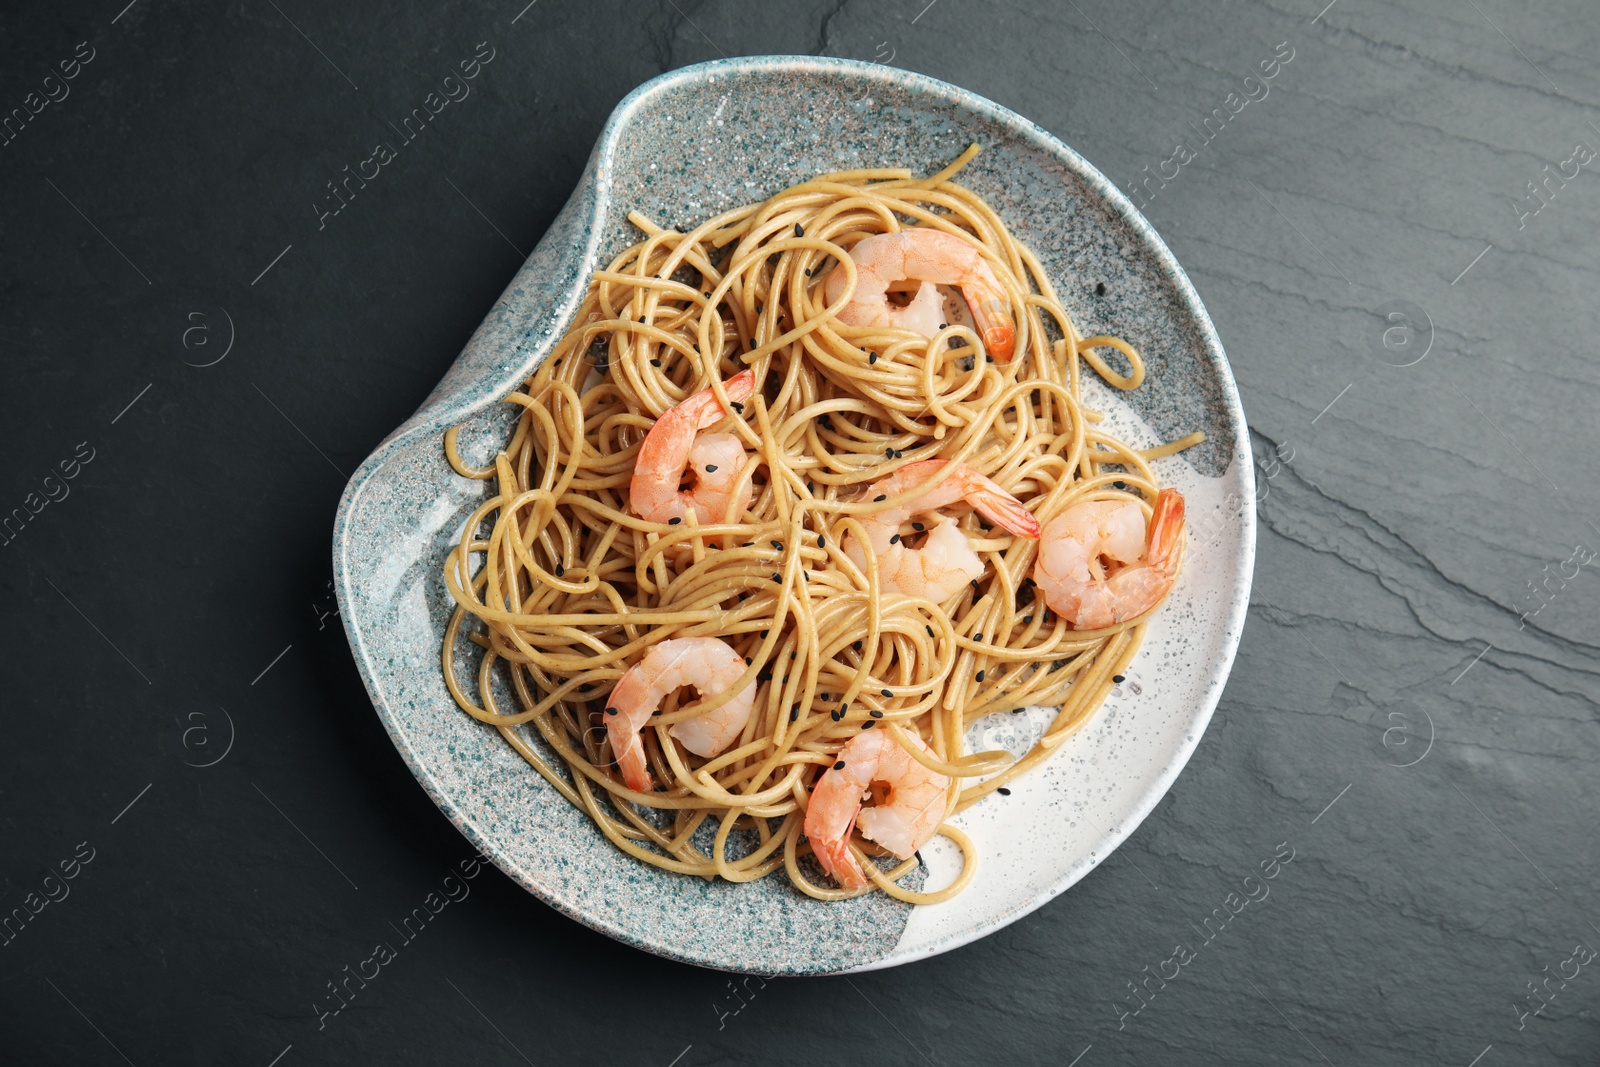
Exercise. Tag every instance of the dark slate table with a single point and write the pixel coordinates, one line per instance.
(1412, 712)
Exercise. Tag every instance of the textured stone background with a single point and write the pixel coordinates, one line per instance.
(178, 597)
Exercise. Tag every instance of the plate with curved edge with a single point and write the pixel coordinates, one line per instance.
(680, 148)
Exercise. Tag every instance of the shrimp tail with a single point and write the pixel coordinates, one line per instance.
(1005, 510)
(623, 723)
(634, 766)
(999, 331)
(1166, 530)
(836, 859)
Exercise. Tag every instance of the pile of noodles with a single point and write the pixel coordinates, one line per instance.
(568, 587)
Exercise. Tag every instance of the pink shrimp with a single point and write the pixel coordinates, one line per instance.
(905, 819)
(1072, 572)
(931, 257)
(946, 562)
(710, 666)
(675, 444)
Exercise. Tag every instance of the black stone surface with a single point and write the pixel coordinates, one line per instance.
(176, 595)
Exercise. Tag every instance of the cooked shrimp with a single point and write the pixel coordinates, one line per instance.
(707, 664)
(675, 444)
(1072, 572)
(945, 562)
(906, 815)
(932, 257)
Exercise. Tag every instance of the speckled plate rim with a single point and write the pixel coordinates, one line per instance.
(454, 401)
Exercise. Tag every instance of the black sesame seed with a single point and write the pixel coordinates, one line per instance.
(868, 724)
(1003, 791)
(1027, 618)
(611, 711)
(778, 545)
(1119, 485)
(929, 627)
(843, 710)
(857, 646)
(839, 766)
(763, 633)
(1100, 289)
(975, 585)
(917, 526)
(747, 661)
(777, 577)
(1119, 679)
(822, 541)
(794, 713)
(711, 468)
(655, 363)
(736, 406)
(981, 674)
(977, 637)
(799, 230)
(836, 716)
(875, 713)
(944, 326)
(895, 540)
(888, 453)
(674, 521)
(786, 679)
(880, 497)
(872, 358)
(764, 676)
(560, 570)
(886, 692)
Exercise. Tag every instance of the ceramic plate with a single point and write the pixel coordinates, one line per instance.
(680, 148)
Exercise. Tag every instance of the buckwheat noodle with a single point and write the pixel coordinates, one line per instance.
(567, 587)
